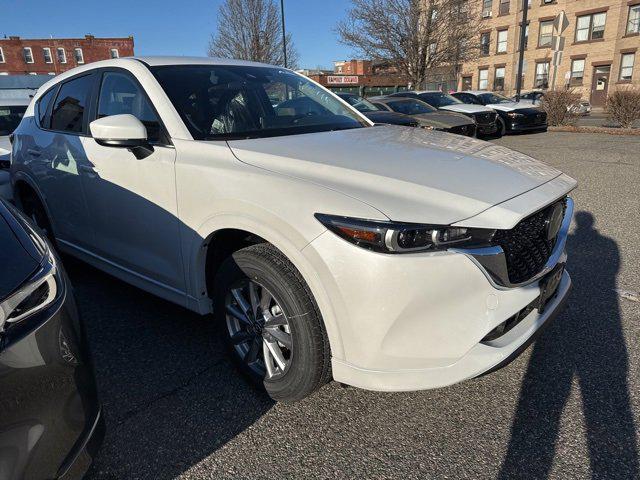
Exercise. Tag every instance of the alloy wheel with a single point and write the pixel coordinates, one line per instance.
(259, 329)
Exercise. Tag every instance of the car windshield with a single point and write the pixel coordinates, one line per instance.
(10, 118)
(229, 102)
(359, 103)
(439, 99)
(410, 107)
(489, 98)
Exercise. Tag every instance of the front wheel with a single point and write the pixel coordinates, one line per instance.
(502, 128)
(271, 324)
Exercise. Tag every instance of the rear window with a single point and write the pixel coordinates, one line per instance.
(10, 118)
(43, 107)
(71, 104)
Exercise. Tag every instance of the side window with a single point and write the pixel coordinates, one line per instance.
(119, 94)
(71, 105)
(43, 106)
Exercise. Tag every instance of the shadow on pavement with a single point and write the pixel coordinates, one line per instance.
(171, 396)
(587, 344)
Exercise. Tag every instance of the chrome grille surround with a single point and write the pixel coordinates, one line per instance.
(494, 263)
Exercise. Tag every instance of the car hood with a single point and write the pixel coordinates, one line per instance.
(408, 174)
(392, 118)
(466, 108)
(510, 106)
(443, 119)
(17, 263)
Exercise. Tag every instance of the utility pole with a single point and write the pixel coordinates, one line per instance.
(284, 34)
(523, 31)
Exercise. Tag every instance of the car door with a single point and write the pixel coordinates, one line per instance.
(56, 157)
(132, 202)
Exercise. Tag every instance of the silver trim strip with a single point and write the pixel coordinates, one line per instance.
(491, 260)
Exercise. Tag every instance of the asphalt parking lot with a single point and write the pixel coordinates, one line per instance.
(569, 407)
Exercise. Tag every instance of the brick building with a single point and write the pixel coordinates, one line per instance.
(364, 77)
(51, 56)
(600, 54)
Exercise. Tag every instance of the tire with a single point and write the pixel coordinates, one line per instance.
(305, 352)
(33, 208)
(502, 128)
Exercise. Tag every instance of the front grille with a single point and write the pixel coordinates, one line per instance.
(526, 245)
(535, 119)
(467, 130)
(485, 118)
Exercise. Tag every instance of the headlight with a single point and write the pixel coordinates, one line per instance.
(394, 237)
(427, 127)
(515, 115)
(32, 296)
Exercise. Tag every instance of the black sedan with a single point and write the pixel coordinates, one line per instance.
(375, 114)
(50, 419)
(512, 116)
(428, 116)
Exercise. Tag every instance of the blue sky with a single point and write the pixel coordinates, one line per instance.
(169, 27)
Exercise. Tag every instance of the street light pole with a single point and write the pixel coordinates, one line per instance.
(284, 34)
(523, 31)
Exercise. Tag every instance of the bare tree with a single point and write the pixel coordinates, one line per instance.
(415, 36)
(251, 30)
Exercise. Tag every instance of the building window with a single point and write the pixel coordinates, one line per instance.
(498, 79)
(626, 66)
(27, 54)
(504, 7)
(633, 23)
(467, 83)
(114, 53)
(46, 53)
(485, 40)
(545, 34)
(486, 8)
(483, 78)
(542, 75)
(62, 55)
(1, 55)
(577, 71)
(78, 54)
(590, 27)
(501, 46)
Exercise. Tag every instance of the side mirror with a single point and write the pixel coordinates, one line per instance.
(122, 131)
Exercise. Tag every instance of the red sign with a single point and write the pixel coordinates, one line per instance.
(343, 79)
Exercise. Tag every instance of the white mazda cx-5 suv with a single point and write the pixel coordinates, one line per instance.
(384, 257)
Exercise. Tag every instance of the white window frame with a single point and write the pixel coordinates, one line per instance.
(483, 81)
(64, 55)
(624, 67)
(545, 74)
(47, 49)
(496, 76)
(590, 28)
(24, 51)
(546, 23)
(75, 55)
(111, 52)
(573, 77)
(501, 45)
(1, 55)
(633, 22)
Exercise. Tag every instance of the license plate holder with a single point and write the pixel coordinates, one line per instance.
(549, 286)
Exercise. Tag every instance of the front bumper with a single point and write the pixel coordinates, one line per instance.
(50, 417)
(487, 129)
(419, 321)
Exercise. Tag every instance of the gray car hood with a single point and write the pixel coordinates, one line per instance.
(408, 174)
(443, 119)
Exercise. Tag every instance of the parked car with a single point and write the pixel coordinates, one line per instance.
(485, 118)
(11, 112)
(512, 116)
(581, 107)
(377, 114)
(50, 419)
(385, 258)
(428, 116)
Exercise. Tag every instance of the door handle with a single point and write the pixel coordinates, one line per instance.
(34, 152)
